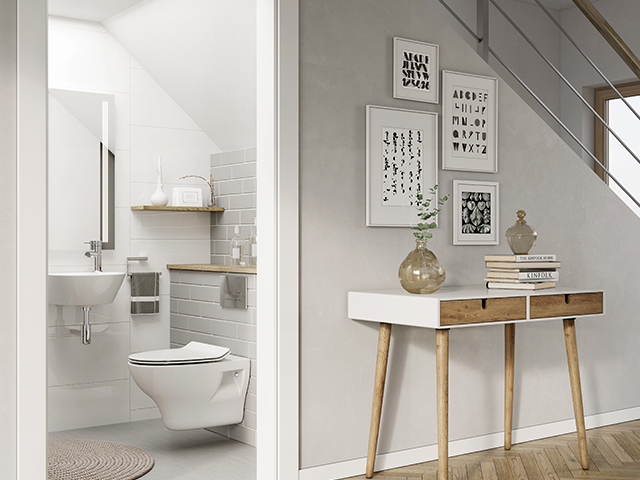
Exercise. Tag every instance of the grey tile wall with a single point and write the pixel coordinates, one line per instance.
(234, 176)
(196, 314)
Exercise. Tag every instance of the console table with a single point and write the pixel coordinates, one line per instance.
(461, 307)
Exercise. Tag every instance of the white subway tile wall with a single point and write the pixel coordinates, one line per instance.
(234, 175)
(196, 315)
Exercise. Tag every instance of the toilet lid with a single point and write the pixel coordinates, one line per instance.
(193, 352)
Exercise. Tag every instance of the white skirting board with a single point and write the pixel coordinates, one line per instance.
(386, 461)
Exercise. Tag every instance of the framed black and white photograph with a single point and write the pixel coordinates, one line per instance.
(469, 122)
(476, 207)
(401, 161)
(415, 70)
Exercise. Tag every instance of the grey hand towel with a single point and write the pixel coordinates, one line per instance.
(145, 293)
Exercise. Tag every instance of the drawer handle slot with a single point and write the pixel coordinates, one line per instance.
(484, 303)
(566, 298)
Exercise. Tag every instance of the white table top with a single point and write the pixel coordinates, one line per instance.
(396, 306)
(467, 293)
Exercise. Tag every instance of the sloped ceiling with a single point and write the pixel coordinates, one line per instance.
(90, 10)
(203, 53)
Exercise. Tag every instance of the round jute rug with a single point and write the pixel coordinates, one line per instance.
(96, 460)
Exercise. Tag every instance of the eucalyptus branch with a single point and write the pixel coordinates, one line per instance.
(208, 182)
(427, 212)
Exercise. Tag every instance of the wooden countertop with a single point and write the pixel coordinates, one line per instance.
(210, 267)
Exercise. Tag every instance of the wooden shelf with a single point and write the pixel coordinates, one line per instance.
(138, 208)
(213, 268)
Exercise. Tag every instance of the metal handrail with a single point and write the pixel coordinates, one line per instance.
(566, 129)
(566, 34)
(563, 78)
(544, 106)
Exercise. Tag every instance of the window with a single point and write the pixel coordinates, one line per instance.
(608, 150)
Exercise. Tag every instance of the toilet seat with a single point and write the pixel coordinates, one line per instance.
(190, 354)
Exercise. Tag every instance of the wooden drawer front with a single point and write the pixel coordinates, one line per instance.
(460, 312)
(566, 305)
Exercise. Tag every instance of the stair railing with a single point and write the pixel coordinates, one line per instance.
(586, 57)
(484, 47)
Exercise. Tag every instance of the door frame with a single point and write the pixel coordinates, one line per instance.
(278, 277)
(31, 250)
(277, 123)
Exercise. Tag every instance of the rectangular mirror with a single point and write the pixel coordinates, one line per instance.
(81, 169)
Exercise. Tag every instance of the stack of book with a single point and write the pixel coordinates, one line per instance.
(522, 272)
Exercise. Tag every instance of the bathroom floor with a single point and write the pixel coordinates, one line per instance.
(184, 455)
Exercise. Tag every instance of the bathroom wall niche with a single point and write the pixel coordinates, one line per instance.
(81, 169)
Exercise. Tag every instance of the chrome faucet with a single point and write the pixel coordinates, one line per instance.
(95, 252)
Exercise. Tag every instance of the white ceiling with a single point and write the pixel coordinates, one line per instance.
(90, 10)
(553, 4)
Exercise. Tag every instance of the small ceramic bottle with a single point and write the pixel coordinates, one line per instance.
(237, 248)
(253, 245)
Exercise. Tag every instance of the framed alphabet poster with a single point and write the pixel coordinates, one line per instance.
(469, 122)
(415, 70)
(401, 161)
(475, 213)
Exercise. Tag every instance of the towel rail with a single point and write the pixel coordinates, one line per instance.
(135, 259)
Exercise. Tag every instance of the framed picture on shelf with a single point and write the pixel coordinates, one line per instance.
(401, 161)
(186, 197)
(415, 70)
(476, 208)
(469, 122)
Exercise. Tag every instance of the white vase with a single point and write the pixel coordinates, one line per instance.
(159, 198)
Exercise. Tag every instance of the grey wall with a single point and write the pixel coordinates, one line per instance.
(8, 236)
(346, 55)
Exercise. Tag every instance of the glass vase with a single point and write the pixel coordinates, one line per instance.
(421, 272)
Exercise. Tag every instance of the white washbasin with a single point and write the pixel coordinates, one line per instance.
(84, 288)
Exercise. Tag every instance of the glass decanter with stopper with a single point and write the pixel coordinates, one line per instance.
(521, 237)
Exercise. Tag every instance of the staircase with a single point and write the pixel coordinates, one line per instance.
(490, 12)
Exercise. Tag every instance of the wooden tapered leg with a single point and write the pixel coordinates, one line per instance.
(442, 380)
(576, 389)
(384, 338)
(509, 360)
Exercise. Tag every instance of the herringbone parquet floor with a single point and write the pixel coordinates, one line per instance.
(614, 454)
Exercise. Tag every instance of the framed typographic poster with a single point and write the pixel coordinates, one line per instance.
(469, 122)
(401, 161)
(475, 213)
(415, 70)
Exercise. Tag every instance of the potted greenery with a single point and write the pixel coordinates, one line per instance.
(421, 272)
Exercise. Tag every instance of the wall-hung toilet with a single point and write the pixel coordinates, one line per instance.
(196, 386)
